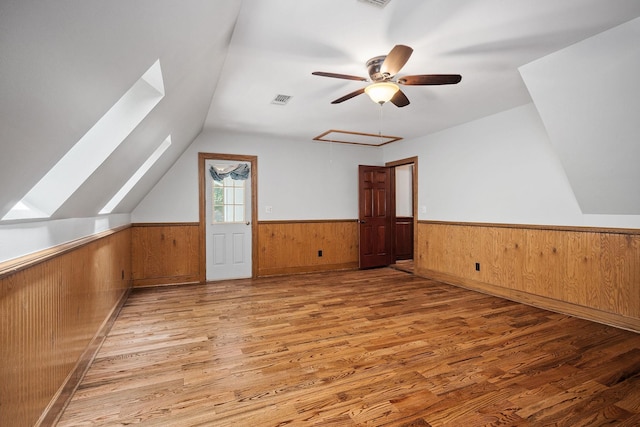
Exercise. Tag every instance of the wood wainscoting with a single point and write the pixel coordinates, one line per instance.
(168, 253)
(287, 247)
(165, 253)
(586, 272)
(56, 306)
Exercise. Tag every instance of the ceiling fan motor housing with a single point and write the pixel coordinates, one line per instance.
(382, 71)
(373, 67)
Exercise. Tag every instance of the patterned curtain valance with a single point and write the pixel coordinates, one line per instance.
(239, 172)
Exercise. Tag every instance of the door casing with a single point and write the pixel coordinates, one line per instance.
(253, 160)
(408, 161)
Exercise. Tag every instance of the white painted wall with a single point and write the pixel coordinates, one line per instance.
(499, 169)
(20, 239)
(298, 179)
(404, 190)
(588, 96)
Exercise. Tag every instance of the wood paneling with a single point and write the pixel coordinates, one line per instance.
(292, 246)
(354, 348)
(590, 273)
(53, 312)
(165, 253)
(403, 232)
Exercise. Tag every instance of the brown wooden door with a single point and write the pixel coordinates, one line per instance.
(375, 214)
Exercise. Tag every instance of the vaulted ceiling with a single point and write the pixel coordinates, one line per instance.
(65, 64)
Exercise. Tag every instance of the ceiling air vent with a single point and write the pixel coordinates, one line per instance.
(379, 3)
(281, 99)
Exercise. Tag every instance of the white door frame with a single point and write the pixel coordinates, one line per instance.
(253, 160)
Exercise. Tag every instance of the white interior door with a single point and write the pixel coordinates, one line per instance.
(228, 219)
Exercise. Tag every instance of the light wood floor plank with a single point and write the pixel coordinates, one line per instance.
(358, 348)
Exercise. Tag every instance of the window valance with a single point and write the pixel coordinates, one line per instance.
(238, 172)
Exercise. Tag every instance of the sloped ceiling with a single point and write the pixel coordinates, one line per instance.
(64, 64)
(588, 96)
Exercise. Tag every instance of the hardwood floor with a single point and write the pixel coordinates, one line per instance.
(374, 347)
(406, 265)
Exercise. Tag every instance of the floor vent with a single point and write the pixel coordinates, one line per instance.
(379, 3)
(281, 99)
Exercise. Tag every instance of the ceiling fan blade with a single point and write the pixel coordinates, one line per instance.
(430, 79)
(349, 96)
(400, 99)
(395, 60)
(339, 76)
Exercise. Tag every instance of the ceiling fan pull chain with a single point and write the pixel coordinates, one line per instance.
(380, 122)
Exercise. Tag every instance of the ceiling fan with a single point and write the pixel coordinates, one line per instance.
(382, 73)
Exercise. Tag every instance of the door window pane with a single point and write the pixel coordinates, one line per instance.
(238, 213)
(218, 214)
(238, 194)
(228, 195)
(228, 201)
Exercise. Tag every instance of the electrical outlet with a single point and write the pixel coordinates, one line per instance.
(320, 252)
(477, 266)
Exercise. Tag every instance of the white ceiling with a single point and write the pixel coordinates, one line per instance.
(64, 64)
(277, 44)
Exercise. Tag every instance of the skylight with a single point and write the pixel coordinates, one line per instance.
(117, 198)
(92, 149)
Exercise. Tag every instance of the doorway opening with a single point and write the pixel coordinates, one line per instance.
(404, 222)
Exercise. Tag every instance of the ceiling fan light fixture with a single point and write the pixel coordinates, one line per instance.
(381, 92)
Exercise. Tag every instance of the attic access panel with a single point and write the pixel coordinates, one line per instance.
(357, 138)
